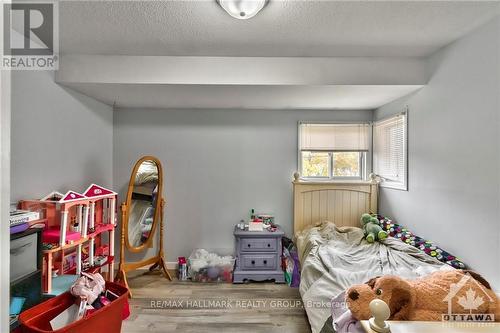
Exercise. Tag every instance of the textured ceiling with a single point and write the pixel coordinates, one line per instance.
(283, 28)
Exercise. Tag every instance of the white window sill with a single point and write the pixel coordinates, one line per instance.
(394, 185)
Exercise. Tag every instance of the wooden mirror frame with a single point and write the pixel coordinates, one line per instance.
(157, 261)
(128, 203)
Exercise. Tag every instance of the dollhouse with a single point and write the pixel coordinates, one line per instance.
(74, 235)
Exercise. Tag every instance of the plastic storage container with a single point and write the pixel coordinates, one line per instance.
(107, 319)
(204, 266)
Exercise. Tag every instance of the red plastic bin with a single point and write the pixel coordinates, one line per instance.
(107, 319)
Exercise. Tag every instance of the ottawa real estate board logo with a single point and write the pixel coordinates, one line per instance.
(30, 35)
(469, 301)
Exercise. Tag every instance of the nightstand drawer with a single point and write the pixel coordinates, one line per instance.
(258, 262)
(258, 244)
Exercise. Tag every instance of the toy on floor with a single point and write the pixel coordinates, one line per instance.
(455, 292)
(74, 228)
(397, 231)
(371, 227)
(204, 266)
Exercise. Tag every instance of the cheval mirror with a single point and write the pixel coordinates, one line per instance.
(141, 213)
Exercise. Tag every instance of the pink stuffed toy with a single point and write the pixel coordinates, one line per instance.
(88, 286)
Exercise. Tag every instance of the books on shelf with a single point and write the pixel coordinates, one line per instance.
(22, 216)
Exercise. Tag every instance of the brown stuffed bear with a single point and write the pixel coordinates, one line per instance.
(425, 299)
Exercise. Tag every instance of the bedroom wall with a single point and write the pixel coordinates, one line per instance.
(60, 139)
(218, 164)
(453, 195)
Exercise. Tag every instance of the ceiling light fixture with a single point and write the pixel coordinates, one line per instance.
(242, 9)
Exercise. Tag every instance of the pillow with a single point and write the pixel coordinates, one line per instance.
(397, 231)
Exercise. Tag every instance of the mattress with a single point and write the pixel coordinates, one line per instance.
(332, 259)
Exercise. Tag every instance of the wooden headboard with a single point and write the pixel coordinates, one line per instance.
(341, 202)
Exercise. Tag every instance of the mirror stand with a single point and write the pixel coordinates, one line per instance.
(141, 213)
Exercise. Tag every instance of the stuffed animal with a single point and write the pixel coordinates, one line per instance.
(428, 298)
(371, 227)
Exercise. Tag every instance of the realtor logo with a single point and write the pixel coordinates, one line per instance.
(30, 39)
(468, 301)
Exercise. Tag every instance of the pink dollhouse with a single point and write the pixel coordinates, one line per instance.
(74, 224)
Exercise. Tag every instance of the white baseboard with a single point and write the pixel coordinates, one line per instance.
(171, 265)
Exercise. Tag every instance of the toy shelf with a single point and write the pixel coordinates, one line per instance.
(67, 246)
(74, 224)
(95, 269)
(99, 230)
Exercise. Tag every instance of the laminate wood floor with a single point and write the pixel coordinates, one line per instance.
(159, 305)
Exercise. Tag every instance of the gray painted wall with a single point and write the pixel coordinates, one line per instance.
(453, 194)
(60, 139)
(217, 166)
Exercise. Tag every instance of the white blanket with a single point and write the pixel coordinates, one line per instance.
(332, 259)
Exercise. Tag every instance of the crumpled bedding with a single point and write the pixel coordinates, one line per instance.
(332, 259)
(147, 173)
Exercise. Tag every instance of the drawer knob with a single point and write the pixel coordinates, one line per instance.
(253, 262)
(248, 245)
(268, 245)
(265, 262)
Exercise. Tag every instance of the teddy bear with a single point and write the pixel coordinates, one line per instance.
(428, 298)
(371, 227)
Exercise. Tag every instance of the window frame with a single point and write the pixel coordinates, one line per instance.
(365, 158)
(361, 161)
(387, 183)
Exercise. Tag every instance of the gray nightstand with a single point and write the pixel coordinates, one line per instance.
(258, 256)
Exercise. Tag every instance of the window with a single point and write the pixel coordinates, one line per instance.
(333, 151)
(390, 151)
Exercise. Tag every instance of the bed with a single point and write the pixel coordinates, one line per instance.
(332, 251)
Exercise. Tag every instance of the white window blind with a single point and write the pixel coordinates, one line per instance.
(389, 151)
(334, 137)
